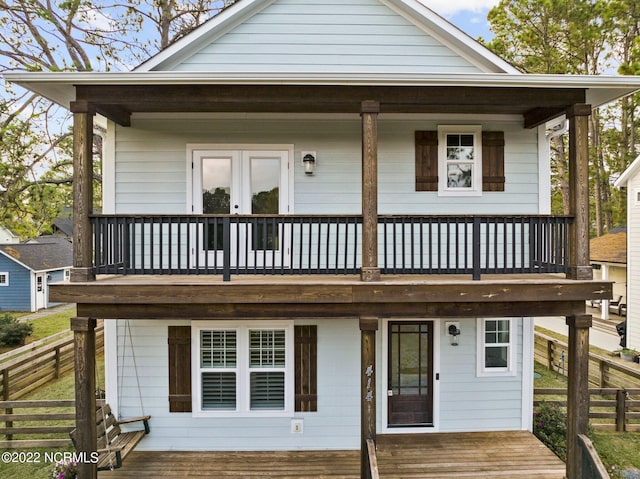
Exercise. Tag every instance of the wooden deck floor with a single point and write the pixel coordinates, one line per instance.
(427, 456)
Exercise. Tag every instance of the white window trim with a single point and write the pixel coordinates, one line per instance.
(476, 187)
(6, 276)
(511, 369)
(242, 368)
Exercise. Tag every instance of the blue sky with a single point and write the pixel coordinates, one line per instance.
(468, 15)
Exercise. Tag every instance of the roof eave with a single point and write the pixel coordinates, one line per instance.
(60, 87)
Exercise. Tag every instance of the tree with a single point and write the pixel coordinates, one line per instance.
(558, 36)
(72, 35)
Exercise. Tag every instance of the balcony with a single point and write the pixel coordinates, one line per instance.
(234, 245)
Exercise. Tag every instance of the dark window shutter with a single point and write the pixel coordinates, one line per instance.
(306, 369)
(426, 160)
(492, 161)
(179, 368)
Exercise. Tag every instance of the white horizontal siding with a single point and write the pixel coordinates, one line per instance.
(151, 164)
(471, 403)
(633, 264)
(319, 36)
(336, 425)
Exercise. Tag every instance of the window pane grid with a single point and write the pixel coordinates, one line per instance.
(218, 349)
(267, 349)
(497, 339)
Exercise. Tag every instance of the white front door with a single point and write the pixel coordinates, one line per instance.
(242, 182)
(40, 292)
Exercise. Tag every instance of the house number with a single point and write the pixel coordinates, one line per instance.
(369, 373)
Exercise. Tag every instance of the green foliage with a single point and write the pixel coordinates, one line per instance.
(550, 426)
(12, 331)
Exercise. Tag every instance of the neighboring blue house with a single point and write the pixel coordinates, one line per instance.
(26, 270)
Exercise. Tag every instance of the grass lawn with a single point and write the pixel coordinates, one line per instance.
(61, 389)
(46, 326)
(618, 451)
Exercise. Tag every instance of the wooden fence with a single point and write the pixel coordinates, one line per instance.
(49, 421)
(603, 372)
(610, 409)
(26, 369)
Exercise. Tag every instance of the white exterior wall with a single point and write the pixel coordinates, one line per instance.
(150, 165)
(465, 402)
(633, 262)
(334, 36)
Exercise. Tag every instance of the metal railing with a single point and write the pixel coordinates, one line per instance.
(314, 244)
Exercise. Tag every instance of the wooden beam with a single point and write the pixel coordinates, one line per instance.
(368, 328)
(327, 98)
(171, 311)
(369, 113)
(84, 341)
(82, 191)
(162, 290)
(577, 390)
(579, 260)
(538, 116)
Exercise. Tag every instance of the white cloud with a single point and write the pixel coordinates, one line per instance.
(448, 8)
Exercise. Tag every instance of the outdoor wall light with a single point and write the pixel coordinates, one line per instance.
(454, 332)
(309, 162)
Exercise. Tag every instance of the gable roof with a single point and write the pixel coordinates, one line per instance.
(610, 248)
(628, 173)
(326, 24)
(40, 256)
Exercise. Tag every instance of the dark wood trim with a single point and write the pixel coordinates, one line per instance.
(367, 388)
(369, 114)
(577, 390)
(179, 341)
(579, 260)
(297, 293)
(82, 192)
(172, 311)
(84, 339)
(306, 367)
(538, 104)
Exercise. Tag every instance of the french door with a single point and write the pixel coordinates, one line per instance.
(242, 182)
(410, 374)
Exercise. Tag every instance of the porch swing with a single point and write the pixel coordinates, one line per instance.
(113, 445)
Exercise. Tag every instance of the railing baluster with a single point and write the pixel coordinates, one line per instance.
(272, 244)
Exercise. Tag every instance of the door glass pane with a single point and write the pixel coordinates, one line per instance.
(216, 196)
(265, 200)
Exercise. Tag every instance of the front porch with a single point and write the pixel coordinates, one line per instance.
(513, 454)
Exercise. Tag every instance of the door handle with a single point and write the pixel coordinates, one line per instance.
(390, 393)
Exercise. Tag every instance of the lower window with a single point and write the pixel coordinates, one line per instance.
(496, 348)
(243, 369)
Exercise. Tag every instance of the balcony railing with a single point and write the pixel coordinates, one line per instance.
(312, 244)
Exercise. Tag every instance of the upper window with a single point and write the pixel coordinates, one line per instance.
(459, 160)
(637, 196)
(4, 279)
(243, 370)
(496, 352)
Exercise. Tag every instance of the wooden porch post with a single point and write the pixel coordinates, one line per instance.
(368, 328)
(579, 263)
(84, 343)
(82, 191)
(577, 390)
(369, 113)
